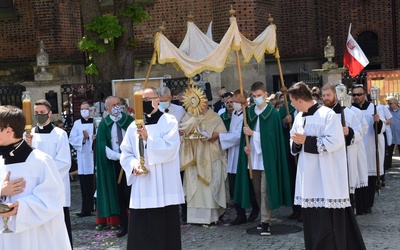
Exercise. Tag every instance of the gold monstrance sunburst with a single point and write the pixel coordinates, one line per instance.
(194, 100)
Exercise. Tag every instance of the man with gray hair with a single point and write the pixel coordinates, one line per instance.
(166, 106)
(393, 104)
(112, 190)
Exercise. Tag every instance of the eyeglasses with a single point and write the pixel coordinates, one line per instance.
(146, 99)
(358, 94)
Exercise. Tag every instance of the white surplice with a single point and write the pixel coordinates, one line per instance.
(352, 150)
(362, 180)
(369, 140)
(162, 185)
(83, 146)
(39, 222)
(321, 179)
(175, 110)
(231, 141)
(56, 145)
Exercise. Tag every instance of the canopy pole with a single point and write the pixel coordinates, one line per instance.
(244, 111)
(149, 70)
(283, 87)
(162, 29)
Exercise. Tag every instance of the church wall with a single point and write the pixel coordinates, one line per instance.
(56, 22)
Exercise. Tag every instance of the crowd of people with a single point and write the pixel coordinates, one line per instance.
(186, 162)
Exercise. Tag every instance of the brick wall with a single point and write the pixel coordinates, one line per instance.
(302, 26)
(56, 22)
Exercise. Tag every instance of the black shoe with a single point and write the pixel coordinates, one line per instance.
(300, 218)
(294, 216)
(221, 217)
(82, 214)
(121, 232)
(259, 226)
(265, 229)
(239, 220)
(253, 215)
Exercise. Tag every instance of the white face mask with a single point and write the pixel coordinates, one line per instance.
(237, 106)
(163, 105)
(85, 113)
(259, 100)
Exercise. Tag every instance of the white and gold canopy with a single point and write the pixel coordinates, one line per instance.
(198, 52)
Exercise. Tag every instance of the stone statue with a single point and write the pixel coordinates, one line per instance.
(42, 60)
(329, 53)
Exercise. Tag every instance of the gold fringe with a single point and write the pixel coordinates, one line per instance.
(204, 181)
(190, 163)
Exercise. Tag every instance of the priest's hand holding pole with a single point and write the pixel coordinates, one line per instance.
(142, 132)
(137, 170)
(247, 130)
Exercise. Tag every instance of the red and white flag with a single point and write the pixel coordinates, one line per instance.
(354, 58)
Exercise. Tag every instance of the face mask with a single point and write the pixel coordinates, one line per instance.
(116, 111)
(237, 106)
(85, 113)
(259, 100)
(41, 118)
(163, 105)
(148, 107)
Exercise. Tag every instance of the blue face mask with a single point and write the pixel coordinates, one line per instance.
(259, 100)
(163, 105)
(116, 111)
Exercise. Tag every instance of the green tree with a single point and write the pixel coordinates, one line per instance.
(115, 59)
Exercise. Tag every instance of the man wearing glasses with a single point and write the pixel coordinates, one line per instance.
(155, 198)
(112, 197)
(359, 97)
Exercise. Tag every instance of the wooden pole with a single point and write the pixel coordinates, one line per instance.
(244, 111)
(378, 175)
(283, 87)
(162, 29)
(149, 70)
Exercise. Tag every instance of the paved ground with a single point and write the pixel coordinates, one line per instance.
(380, 229)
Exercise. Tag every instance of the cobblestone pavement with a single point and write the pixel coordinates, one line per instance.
(380, 229)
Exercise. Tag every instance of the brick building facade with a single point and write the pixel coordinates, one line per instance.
(302, 28)
(56, 22)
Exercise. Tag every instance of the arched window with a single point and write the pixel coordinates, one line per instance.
(368, 42)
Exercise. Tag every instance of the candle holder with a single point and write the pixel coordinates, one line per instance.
(375, 94)
(341, 94)
(139, 119)
(26, 109)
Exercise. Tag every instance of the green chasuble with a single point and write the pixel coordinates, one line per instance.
(106, 179)
(226, 118)
(274, 157)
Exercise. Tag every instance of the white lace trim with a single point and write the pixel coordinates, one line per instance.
(321, 146)
(322, 202)
(362, 184)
